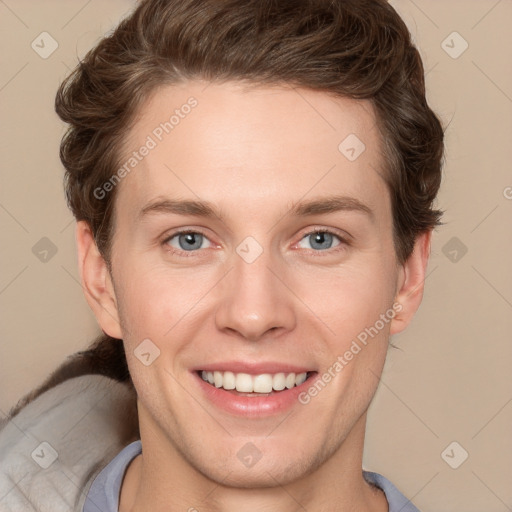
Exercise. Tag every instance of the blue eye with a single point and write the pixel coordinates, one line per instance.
(187, 241)
(321, 240)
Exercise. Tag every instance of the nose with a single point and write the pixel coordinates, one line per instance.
(255, 301)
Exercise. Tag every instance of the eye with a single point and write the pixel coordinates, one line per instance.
(321, 240)
(187, 241)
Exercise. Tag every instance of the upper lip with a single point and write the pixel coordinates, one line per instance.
(253, 368)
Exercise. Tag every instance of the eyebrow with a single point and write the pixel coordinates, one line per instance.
(330, 204)
(320, 206)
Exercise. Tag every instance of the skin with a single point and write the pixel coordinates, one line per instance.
(252, 152)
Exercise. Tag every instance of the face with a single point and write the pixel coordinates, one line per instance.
(251, 249)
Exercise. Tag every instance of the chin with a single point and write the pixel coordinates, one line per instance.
(254, 463)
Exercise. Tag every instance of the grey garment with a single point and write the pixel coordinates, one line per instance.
(397, 502)
(103, 495)
(51, 450)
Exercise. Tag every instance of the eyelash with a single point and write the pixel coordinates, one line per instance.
(342, 246)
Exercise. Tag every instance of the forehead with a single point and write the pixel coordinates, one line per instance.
(236, 144)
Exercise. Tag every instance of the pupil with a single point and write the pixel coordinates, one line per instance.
(190, 241)
(323, 239)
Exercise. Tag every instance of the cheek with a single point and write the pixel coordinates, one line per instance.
(351, 304)
(356, 342)
(154, 298)
(347, 299)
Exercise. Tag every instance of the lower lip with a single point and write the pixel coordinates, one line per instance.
(253, 406)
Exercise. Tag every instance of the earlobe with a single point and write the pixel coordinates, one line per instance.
(411, 283)
(96, 281)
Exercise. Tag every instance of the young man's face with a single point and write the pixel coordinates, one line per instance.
(254, 290)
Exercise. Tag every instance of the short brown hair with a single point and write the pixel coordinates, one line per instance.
(359, 49)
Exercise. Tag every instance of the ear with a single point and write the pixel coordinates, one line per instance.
(411, 282)
(96, 281)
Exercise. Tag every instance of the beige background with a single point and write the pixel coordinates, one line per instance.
(450, 380)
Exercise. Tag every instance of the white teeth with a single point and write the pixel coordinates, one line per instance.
(217, 379)
(229, 380)
(279, 381)
(262, 383)
(300, 378)
(245, 383)
(290, 380)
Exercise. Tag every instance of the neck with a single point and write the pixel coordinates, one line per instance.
(161, 479)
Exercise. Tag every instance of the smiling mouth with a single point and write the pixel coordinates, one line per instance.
(245, 384)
